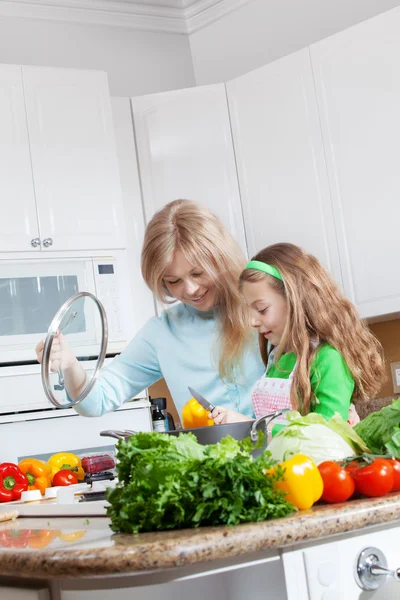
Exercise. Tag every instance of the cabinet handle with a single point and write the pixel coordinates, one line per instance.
(47, 242)
(371, 569)
(35, 242)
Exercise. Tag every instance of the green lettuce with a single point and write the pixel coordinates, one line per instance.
(168, 482)
(317, 438)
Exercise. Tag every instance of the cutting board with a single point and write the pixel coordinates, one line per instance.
(50, 508)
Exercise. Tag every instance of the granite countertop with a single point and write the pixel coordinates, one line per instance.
(79, 547)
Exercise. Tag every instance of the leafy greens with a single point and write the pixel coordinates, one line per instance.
(380, 430)
(172, 482)
(319, 439)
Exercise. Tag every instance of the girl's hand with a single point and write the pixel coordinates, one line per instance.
(61, 355)
(222, 416)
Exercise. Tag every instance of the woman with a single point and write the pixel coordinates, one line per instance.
(188, 256)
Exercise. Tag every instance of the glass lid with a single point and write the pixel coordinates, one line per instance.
(74, 350)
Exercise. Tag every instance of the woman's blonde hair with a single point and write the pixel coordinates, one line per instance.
(317, 312)
(188, 227)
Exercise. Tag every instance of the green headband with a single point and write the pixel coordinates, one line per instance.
(262, 266)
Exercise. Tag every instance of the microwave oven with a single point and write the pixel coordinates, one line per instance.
(31, 292)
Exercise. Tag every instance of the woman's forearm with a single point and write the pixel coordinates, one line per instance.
(74, 379)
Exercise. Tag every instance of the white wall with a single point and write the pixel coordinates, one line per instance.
(137, 62)
(264, 30)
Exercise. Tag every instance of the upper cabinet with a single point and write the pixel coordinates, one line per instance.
(185, 151)
(357, 78)
(19, 226)
(280, 159)
(62, 172)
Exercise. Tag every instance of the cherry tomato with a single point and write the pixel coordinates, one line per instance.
(64, 477)
(338, 483)
(374, 479)
(396, 475)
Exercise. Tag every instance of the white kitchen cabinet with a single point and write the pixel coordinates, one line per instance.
(74, 159)
(142, 308)
(185, 151)
(280, 159)
(326, 570)
(357, 78)
(19, 225)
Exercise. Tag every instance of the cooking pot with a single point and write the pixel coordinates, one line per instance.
(215, 433)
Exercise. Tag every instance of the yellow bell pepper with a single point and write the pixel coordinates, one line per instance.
(301, 481)
(194, 415)
(72, 536)
(69, 461)
(38, 473)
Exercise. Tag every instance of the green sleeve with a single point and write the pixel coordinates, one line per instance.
(331, 383)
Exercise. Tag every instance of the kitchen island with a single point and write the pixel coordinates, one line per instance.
(309, 554)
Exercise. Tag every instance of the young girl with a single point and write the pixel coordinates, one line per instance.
(317, 351)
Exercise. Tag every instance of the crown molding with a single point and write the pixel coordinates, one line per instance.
(112, 13)
(204, 12)
(173, 16)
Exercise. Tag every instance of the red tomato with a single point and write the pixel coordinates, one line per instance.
(375, 479)
(338, 484)
(396, 475)
(64, 477)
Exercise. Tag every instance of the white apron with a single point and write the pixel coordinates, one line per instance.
(273, 393)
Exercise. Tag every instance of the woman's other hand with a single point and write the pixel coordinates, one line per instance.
(61, 355)
(223, 416)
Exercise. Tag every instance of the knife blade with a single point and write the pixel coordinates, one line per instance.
(201, 400)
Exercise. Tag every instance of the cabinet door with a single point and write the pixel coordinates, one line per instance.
(74, 159)
(330, 567)
(280, 159)
(185, 151)
(357, 77)
(142, 307)
(19, 226)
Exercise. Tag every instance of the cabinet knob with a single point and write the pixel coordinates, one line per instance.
(35, 242)
(47, 242)
(371, 569)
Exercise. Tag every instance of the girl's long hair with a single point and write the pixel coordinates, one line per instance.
(196, 232)
(317, 313)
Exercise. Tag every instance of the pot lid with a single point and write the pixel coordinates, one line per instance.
(82, 321)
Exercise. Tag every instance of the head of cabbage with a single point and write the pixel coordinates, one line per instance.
(319, 439)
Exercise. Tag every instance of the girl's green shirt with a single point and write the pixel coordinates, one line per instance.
(331, 380)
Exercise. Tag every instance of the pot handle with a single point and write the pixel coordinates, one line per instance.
(270, 417)
(118, 434)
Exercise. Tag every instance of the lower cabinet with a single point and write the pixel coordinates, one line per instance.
(24, 593)
(326, 571)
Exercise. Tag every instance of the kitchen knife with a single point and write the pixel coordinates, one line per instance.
(201, 400)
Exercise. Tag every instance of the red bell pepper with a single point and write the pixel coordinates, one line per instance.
(12, 482)
(15, 538)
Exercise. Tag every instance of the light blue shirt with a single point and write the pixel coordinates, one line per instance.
(182, 345)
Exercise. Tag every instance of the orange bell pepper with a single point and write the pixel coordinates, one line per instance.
(41, 538)
(38, 473)
(194, 415)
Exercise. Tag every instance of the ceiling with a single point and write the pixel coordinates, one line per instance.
(171, 16)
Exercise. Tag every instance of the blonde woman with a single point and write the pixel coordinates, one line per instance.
(203, 341)
(317, 352)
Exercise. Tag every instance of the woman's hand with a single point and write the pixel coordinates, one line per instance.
(61, 355)
(222, 416)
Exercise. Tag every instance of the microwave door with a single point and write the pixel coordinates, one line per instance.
(31, 292)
